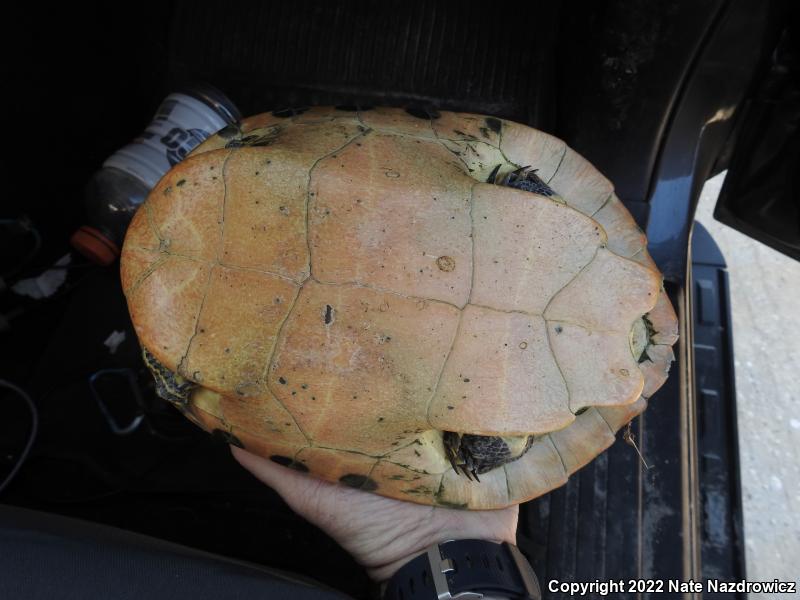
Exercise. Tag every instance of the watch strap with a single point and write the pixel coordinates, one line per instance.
(467, 570)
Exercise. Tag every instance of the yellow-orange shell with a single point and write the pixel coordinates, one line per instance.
(345, 286)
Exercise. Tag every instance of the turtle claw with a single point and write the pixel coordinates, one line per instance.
(453, 463)
(462, 458)
(464, 470)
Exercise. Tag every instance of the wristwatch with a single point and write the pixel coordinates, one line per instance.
(465, 570)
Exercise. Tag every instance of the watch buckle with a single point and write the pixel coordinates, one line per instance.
(439, 567)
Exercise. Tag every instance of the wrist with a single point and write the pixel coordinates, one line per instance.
(382, 573)
(469, 568)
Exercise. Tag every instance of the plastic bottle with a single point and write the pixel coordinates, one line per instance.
(182, 121)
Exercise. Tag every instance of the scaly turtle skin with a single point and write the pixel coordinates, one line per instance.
(394, 299)
(169, 385)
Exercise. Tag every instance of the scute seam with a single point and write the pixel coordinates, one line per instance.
(585, 328)
(221, 249)
(261, 272)
(145, 274)
(413, 469)
(265, 372)
(472, 242)
(308, 193)
(185, 356)
(349, 451)
(152, 224)
(441, 372)
(375, 288)
(563, 287)
(182, 362)
(603, 205)
(560, 162)
(602, 416)
(558, 366)
(560, 458)
(368, 476)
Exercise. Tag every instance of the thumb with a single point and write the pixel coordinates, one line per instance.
(282, 480)
(294, 487)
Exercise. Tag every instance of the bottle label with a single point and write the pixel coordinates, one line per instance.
(181, 123)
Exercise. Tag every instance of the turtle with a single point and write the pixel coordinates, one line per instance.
(447, 308)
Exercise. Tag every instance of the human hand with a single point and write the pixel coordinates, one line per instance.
(382, 534)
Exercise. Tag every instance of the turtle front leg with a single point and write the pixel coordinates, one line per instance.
(526, 179)
(459, 455)
(477, 454)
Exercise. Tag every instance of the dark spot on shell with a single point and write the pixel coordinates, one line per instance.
(494, 124)
(229, 132)
(446, 263)
(285, 113)
(281, 460)
(360, 482)
(328, 314)
(448, 504)
(255, 140)
(422, 112)
(226, 437)
(281, 380)
(353, 107)
(181, 182)
(288, 462)
(559, 329)
(582, 410)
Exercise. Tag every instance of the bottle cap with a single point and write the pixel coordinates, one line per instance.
(94, 245)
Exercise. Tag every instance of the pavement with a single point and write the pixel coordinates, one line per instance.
(765, 301)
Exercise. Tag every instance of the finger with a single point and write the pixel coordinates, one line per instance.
(282, 480)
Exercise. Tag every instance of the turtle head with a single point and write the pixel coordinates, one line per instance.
(170, 386)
